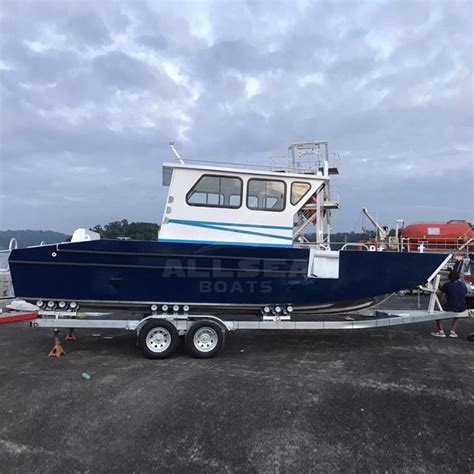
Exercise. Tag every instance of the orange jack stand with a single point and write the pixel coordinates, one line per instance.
(57, 350)
(71, 335)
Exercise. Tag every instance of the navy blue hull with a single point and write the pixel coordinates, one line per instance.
(128, 272)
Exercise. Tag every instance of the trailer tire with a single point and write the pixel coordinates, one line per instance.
(471, 337)
(204, 339)
(158, 339)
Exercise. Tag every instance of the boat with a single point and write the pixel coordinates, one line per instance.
(451, 236)
(232, 240)
(6, 288)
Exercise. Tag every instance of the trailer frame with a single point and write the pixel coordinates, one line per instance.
(213, 329)
(377, 319)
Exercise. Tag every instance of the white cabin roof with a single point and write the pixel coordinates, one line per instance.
(246, 169)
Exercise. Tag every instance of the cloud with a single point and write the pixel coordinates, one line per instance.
(119, 71)
(87, 29)
(91, 93)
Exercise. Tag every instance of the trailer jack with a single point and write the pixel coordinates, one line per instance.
(57, 350)
(71, 335)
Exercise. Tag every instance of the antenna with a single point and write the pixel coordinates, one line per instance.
(173, 149)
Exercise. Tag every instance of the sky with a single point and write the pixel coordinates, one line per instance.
(92, 92)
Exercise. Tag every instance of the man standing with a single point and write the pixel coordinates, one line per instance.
(453, 298)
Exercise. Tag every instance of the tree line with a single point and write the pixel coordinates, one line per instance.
(128, 230)
(28, 237)
(135, 231)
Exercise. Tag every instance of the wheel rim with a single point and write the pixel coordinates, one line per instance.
(205, 339)
(158, 339)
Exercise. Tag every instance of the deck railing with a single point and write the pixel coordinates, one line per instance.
(303, 166)
(414, 245)
(461, 245)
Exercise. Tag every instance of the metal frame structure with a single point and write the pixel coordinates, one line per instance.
(318, 213)
(376, 319)
(184, 322)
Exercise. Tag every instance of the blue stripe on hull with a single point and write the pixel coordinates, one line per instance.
(220, 242)
(258, 226)
(222, 227)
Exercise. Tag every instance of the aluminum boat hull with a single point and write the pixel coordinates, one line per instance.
(136, 274)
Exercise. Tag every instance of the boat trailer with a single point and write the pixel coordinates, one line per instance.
(158, 335)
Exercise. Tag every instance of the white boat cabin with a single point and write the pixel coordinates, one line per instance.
(240, 206)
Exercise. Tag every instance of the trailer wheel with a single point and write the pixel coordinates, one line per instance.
(158, 339)
(204, 339)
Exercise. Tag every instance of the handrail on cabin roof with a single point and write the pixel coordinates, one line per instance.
(274, 168)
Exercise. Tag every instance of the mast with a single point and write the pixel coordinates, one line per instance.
(318, 210)
(175, 151)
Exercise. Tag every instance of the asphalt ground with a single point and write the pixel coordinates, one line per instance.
(384, 400)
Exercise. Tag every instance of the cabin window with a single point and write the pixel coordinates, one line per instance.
(298, 190)
(216, 191)
(266, 194)
(235, 200)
